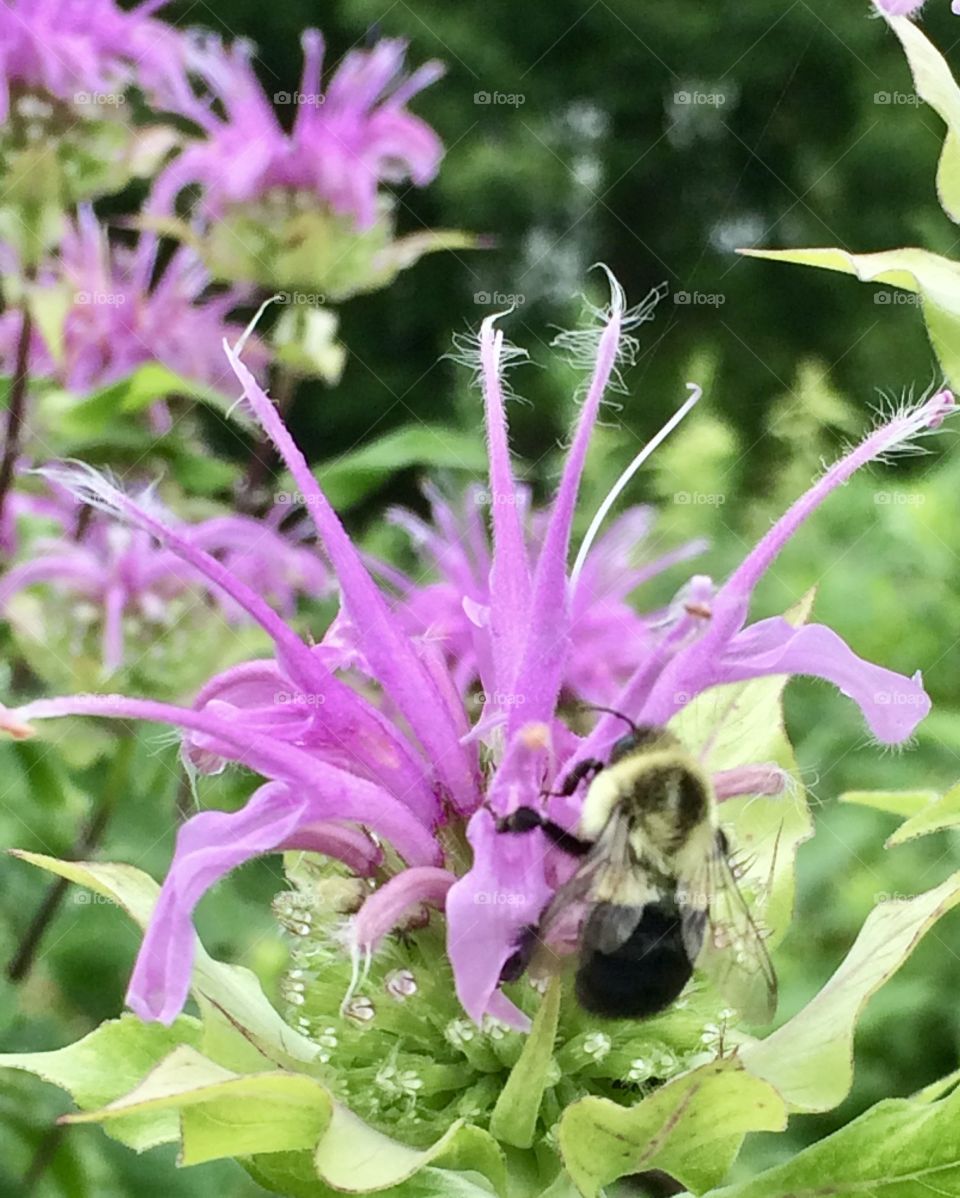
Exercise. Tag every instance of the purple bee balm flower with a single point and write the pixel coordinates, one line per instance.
(119, 317)
(89, 52)
(396, 756)
(344, 141)
(454, 612)
(120, 573)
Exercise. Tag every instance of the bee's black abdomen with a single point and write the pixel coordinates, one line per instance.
(643, 976)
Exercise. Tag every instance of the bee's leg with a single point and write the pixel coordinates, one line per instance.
(586, 769)
(516, 964)
(525, 819)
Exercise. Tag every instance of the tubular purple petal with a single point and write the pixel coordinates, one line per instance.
(386, 908)
(510, 570)
(333, 793)
(733, 598)
(764, 779)
(386, 646)
(208, 846)
(93, 488)
(541, 670)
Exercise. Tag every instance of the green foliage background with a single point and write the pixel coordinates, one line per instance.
(600, 162)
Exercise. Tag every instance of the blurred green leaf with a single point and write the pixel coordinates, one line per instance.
(348, 479)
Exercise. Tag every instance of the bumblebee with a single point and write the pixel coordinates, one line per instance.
(655, 887)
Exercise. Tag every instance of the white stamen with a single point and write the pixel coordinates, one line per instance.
(245, 335)
(614, 494)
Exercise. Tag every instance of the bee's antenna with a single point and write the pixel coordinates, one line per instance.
(610, 711)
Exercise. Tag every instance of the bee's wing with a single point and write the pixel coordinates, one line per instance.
(607, 875)
(722, 939)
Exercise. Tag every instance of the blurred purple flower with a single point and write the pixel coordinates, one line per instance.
(120, 572)
(121, 314)
(453, 611)
(396, 757)
(77, 51)
(344, 141)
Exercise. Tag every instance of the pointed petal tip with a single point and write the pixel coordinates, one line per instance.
(939, 406)
(618, 298)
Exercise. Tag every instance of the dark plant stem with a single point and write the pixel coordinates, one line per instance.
(43, 1157)
(15, 411)
(263, 457)
(89, 839)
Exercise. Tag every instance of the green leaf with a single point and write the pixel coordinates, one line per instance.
(292, 1174)
(934, 278)
(904, 803)
(150, 382)
(935, 84)
(944, 812)
(810, 1058)
(691, 1128)
(224, 1114)
(230, 992)
(514, 1118)
(898, 1149)
(49, 305)
(923, 811)
(354, 1157)
(108, 1062)
(347, 479)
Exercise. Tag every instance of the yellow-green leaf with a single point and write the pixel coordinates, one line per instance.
(691, 1128)
(355, 1158)
(810, 1058)
(224, 1114)
(935, 84)
(106, 1063)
